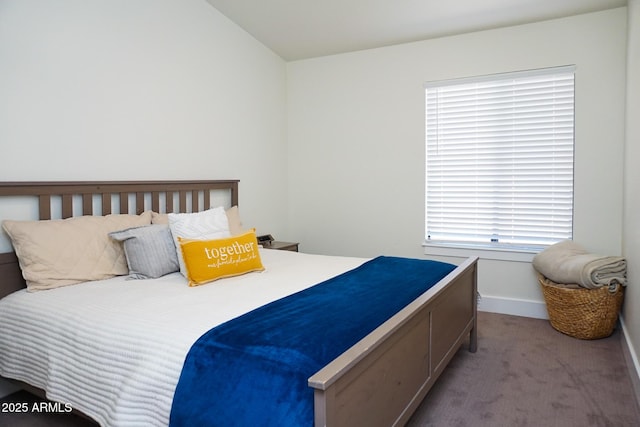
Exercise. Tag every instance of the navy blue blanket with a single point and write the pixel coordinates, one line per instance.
(253, 370)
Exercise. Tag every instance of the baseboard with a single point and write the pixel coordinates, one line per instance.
(513, 306)
(631, 357)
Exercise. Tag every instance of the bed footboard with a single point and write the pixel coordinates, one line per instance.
(382, 379)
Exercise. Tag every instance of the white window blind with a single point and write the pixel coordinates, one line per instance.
(499, 159)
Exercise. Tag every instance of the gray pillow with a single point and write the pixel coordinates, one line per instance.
(150, 251)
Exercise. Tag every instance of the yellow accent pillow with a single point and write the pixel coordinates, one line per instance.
(209, 260)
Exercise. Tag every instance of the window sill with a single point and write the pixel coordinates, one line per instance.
(483, 252)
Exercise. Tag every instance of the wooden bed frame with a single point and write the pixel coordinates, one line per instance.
(380, 381)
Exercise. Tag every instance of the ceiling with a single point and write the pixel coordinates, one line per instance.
(300, 29)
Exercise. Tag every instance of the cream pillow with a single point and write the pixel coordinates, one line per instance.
(61, 252)
(205, 225)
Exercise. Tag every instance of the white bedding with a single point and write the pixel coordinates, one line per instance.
(113, 349)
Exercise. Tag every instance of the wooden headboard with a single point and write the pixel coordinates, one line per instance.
(74, 198)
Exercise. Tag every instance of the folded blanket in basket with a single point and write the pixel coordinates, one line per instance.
(568, 262)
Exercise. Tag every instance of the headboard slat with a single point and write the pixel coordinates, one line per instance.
(44, 203)
(106, 204)
(169, 202)
(155, 201)
(87, 204)
(194, 201)
(124, 203)
(139, 203)
(182, 201)
(207, 198)
(67, 206)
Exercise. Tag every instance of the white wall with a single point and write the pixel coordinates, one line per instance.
(145, 89)
(356, 138)
(631, 308)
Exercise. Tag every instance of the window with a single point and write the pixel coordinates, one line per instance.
(499, 159)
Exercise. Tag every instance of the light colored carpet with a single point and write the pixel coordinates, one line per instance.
(525, 373)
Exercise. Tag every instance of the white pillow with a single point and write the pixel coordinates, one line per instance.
(233, 216)
(205, 225)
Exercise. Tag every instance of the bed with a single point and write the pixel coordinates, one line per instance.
(379, 379)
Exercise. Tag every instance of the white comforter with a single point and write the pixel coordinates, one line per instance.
(113, 349)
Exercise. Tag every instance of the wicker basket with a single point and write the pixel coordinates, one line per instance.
(582, 313)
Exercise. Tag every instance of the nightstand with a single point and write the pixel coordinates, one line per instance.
(283, 246)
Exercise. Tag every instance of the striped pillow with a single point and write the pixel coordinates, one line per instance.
(150, 251)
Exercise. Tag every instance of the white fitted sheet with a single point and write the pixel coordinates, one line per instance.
(114, 349)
